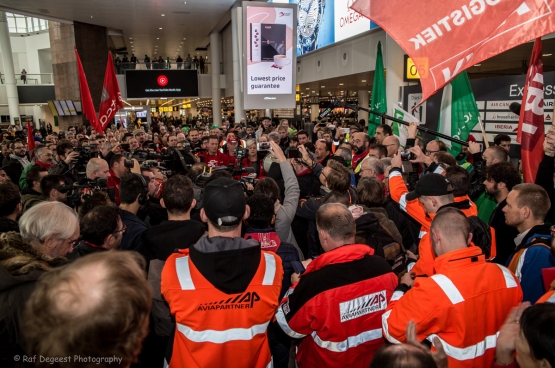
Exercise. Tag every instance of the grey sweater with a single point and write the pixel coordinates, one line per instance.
(285, 213)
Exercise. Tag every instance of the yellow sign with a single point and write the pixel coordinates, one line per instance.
(297, 97)
(167, 108)
(411, 72)
(186, 106)
(153, 109)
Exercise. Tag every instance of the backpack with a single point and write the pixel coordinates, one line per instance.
(483, 236)
(369, 231)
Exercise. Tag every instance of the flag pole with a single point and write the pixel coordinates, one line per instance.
(486, 143)
(388, 117)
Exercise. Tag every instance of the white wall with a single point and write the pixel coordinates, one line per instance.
(227, 60)
(344, 58)
(25, 51)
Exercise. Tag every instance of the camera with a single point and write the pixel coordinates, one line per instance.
(407, 155)
(293, 152)
(263, 146)
(241, 153)
(323, 125)
(128, 163)
(85, 154)
(76, 191)
(247, 180)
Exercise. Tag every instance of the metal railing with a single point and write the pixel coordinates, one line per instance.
(33, 79)
(121, 67)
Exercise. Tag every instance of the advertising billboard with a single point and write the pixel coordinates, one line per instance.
(161, 83)
(321, 23)
(269, 47)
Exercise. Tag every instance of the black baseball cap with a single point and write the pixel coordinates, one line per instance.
(431, 185)
(224, 202)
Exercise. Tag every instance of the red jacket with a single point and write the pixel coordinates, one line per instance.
(220, 159)
(114, 182)
(338, 305)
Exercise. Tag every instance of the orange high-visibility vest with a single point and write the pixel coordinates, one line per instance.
(464, 305)
(215, 329)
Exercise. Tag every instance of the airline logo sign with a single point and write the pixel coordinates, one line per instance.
(500, 105)
(363, 305)
(454, 35)
(501, 116)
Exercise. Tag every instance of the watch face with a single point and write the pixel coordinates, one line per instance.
(308, 23)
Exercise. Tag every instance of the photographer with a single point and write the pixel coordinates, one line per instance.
(66, 161)
(49, 186)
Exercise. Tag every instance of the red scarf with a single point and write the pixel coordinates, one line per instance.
(42, 164)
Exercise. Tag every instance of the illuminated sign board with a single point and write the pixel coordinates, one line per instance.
(161, 83)
(321, 23)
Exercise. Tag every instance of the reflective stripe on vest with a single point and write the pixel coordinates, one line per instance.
(551, 299)
(469, 352)
(270, 271)
(448, 288)
(385, 327)
(396, 296)
(280, 317)
(518, 271)
(421, 234)
(351, 342)
(403, 202)
(184, 273)
(221, 337)
(509, 279)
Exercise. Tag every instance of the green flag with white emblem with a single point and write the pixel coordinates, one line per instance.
(379, 101)
(458, 112)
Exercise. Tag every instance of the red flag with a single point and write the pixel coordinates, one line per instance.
(111, 100)
(530, 124)
(30, 139)
(447, 37)
(86, 99)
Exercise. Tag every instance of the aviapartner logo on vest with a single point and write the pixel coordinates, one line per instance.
(363, 305)
(241, 301)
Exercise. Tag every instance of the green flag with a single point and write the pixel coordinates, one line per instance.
(400, 130)
(379, 101)
(458, 112)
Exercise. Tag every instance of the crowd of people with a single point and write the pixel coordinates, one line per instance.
(260, 244)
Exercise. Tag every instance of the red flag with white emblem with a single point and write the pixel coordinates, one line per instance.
(111, 100)
(86, 99)
(530, 124)
(446, 37)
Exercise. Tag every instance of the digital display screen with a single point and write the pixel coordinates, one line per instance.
(59, 108)
(321, 23)
(141, 114)
(71, 107)
(161, 83)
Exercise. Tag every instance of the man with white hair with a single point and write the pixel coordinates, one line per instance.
(48, 232)
(372, 167)
(97, 168)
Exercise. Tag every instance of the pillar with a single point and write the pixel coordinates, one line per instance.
(237, 34)
(314, 112)
(363, 102)
(9, 72)
(268, 113)
(216, 91)
(394, 64)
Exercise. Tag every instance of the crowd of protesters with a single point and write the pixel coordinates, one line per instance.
(259, 244)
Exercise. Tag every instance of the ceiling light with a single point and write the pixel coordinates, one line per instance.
(477, 64)
(340, 84)
(185, 3)
(308, 88)
(131, 42)
(130, 38)
(157, 38)
(322, 86)
(364, 81)
(160, 28)
(91, 16)
(184, 38)
(163, 15)
(547, 54)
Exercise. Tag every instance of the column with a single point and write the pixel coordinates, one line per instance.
(268, 113)
(9, 72)
(394, 64)
(216, 91)
(363, 102)
(314, 112)
(237, 34)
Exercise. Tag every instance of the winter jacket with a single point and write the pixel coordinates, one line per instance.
(337, 308)
(131, 239)
(383, 219)
(271, 242)
(285, 213)
(21, 265)
(531, 256)
(7, 225)
(544, 178)
(30, 198)
(83, 249)
(464, 305)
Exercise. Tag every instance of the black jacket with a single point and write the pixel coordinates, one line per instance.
(477, 186)
(21, 265)
(84, 249)
(7, 225)
(131, 239)
(504, 234)
(407, 226)
(544, 178)
(160, 241)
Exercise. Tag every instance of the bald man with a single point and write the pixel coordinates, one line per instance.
(97, 168)
(392, 144)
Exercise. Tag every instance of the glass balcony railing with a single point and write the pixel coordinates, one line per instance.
(121, 67)
(32, 79)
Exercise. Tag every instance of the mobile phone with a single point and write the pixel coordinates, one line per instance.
(263, 146)
(321, 124)
(298, 267)
(293, 153)
(346, 130)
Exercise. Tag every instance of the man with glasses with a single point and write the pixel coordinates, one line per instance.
(48, 232)
(101, 230)
(45, 158)
(17, 160)
(361, 144)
